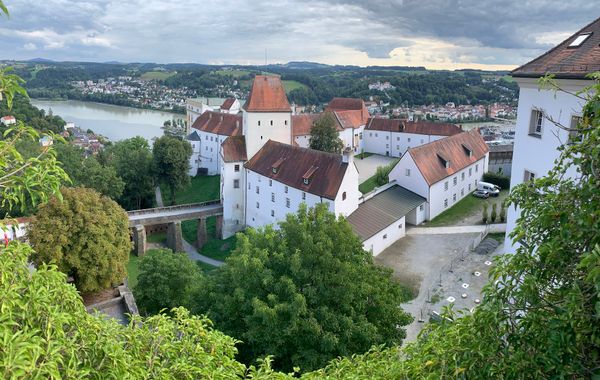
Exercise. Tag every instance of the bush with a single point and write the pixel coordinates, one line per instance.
(502, 214)
(484, 214)
(497, 179)
(494, 214)
(382, 174)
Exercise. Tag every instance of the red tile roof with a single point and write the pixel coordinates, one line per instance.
(346, 104)
(227, 104)
(295, 162)
(565, 61)
(429, 157)
(350, 112)
(223, 124)
(267, 95)
(302, 124)
(234, 149)
(416, 127)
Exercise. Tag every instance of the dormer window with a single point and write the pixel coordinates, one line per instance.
(468, 150)
(276, 165)
(580, 39)
(444, 161)
(308, 175)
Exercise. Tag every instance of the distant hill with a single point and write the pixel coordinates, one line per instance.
(40, 60)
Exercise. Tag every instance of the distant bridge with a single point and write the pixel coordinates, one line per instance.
(173, 216)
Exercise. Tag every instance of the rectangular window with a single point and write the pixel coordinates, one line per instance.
(387, 146)
(408, 172)
(287, 202)
(455, 180)
(421, 207)
(476, 168)
(469, 187)
(236, 183)
(422, 141)
(535, 124)
(259, 123)
(470, 171)
(273, 213)
(285, 122)
(211, 138)
(285, 189)
(270, 182)
(387, 137)
(462, 176)
(454, 198)
(446, 185)
(236, 168)
(574, 134)
(529, 176)
(303, 196)
(375, 134)
(398, 147)
(257, 190)
(257, 205)
(462, 192)
(445, 203)
(249, 185)
(398, 138)
(272, 197)
(409, 139)
(370, 134)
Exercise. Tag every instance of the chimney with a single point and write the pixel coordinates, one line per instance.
(348, 156)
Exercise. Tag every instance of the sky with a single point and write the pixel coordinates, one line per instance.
(437, 34)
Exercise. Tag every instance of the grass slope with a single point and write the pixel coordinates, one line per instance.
(156, 75)
(466, 207)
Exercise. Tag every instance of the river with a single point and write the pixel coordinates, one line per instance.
(115, 122)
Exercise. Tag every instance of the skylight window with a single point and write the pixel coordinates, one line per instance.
(580, 39)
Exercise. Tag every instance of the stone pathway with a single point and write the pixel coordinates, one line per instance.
(194, 255)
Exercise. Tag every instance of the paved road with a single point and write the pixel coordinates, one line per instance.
(492, 228)
(194, 255)
(367, 166)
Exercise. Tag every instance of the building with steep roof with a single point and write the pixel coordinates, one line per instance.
(547, 119)
(444, 171)
(392, 137)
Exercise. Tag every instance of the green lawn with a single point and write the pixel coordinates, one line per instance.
(367, 186)
(201, 189)
(159, 237)
(292, 85)
(156, 75)
(132, 270)
(233, 73)
(465, 208)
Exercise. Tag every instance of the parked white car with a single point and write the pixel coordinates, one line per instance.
(492, 189)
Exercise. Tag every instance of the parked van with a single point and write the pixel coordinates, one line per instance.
(490, 188)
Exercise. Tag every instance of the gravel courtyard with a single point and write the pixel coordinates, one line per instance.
(442, 269)
(367, 166)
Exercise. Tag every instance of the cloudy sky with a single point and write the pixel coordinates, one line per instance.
(438, 34)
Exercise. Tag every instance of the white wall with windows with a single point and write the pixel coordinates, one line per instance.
(233, 181)
(536, 138)
(394, 144)
(206, 153)
(347, 199)
(386, 237)
(260, 127)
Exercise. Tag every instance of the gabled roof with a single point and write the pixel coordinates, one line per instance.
(349, 112)
(302, 124)
(565, 61)
(227, 104)
(193, 136)
(219, 123)
(267, 95)
(293, 163)
(430, 158)
(234, 149)
(416, 127)
(382, 210)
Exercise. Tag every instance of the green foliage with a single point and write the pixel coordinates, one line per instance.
(382, 174)
(88, 172)
(47, 333)
(86, 235)
(497, 179)
(324, 136)
(502, 213)
(23, 110)
(166, 280)
(494, 214)
(305, 293)
(171, 158)
(484, 214)
(132, 161)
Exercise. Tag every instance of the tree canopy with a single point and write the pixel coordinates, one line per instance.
(305, 293)
(171, 162)
(132, 160)
(86, 235)
(324, 136)
(166, 280)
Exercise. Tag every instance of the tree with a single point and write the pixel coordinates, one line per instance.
(382, 174)
(171, 163)
(502, 213)
(305, 293)
(484, 214)
(86, 235)
(132, 160)
(88, 172)
(494, 214)
(324, 136)
(166, 280)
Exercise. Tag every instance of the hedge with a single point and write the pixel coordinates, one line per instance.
(497, 179)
